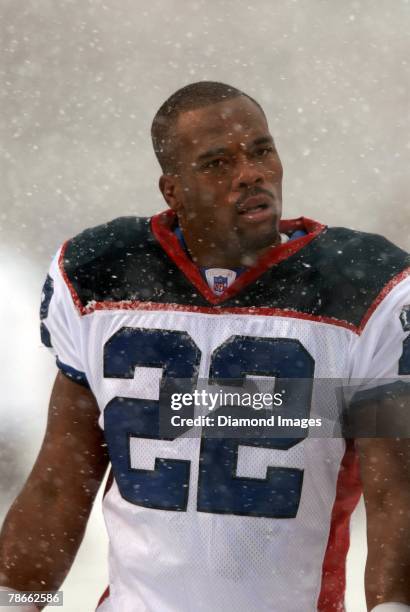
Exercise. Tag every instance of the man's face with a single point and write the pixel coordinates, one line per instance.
(228, 186)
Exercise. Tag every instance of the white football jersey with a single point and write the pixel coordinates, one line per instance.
(224, 525)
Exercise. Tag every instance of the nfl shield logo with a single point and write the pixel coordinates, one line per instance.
(219, 279)
(220, 283)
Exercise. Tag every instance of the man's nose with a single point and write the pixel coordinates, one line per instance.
(247, 174)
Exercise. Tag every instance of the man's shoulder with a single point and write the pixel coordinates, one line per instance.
(339, 275)
(354, 271)
(358, 257)
(109, 261)
(106, 241)
(365, 244)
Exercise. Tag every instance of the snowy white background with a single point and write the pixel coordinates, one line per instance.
(80, 83)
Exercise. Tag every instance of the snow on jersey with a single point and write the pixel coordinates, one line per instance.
(222, 525)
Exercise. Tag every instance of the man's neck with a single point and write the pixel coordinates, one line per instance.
(220, 257)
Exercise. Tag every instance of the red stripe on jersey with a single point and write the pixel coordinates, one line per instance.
(217, 310)
(73, 292)
(162, 225)
(170, 243)
(348, 491)
(385, 291)
(103, 597)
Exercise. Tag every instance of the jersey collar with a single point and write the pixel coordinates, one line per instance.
(162, 226)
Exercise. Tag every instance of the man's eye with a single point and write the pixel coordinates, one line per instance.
(264, 151)
(214, 163)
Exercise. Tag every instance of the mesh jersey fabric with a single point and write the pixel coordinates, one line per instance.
(167, 560)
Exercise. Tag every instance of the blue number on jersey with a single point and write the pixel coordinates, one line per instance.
(404, 362)
(277, 495)
(166, 486)
(47, 294)
(219, 490)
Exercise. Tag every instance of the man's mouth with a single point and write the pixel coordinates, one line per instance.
(255, 208)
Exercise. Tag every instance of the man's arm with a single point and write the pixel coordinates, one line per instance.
(45, 525)
(385, 473)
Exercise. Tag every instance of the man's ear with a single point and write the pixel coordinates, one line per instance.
(169, 189)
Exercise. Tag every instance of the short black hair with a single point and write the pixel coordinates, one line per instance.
(190, 97)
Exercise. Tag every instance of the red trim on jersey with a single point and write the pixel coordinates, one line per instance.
(386, 289)
(103, 597)
(348, 491)
(82, 310)
(162, 226)
(217, 310)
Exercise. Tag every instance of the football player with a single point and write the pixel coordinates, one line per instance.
(218, 286)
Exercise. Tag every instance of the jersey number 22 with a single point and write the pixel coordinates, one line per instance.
(220, 490)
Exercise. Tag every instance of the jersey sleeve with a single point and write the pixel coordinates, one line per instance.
(383, 349)
(380, 371)
(60, 324)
